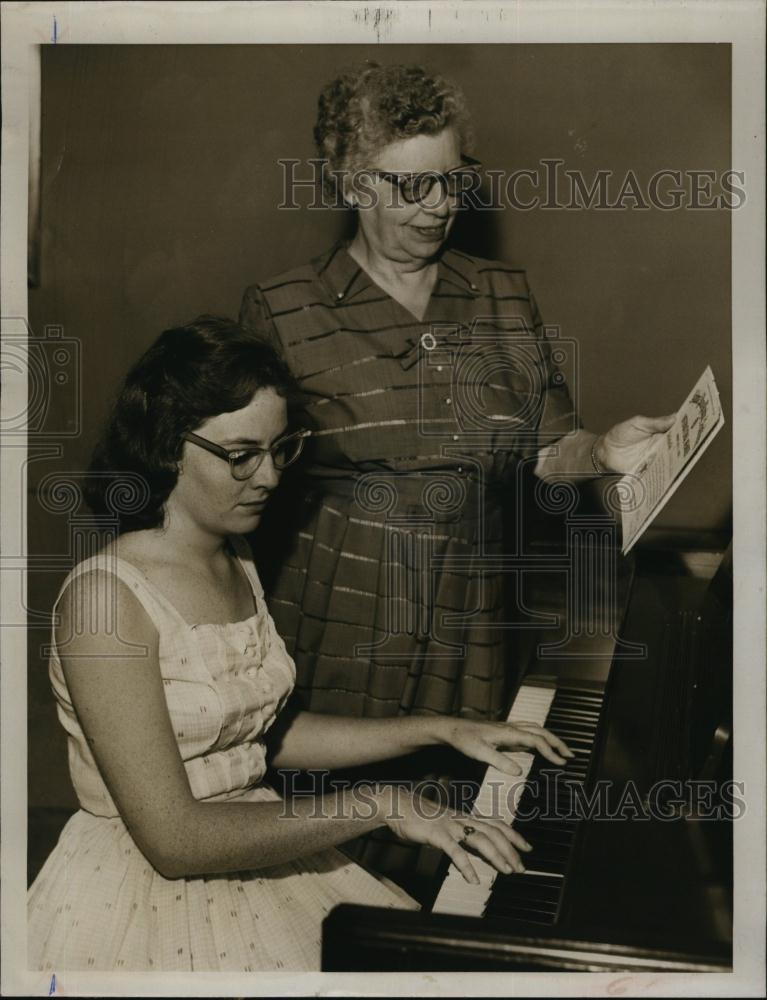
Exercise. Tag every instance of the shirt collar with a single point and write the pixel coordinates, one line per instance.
(343, 277)
(459, 270)
(340, 273)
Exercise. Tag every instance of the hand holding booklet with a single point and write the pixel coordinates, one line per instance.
(652, 484)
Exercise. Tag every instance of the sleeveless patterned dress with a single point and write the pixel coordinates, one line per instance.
(98, 904)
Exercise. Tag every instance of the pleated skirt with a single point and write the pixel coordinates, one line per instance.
(396, 613)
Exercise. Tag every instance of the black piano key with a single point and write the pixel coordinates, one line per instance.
(584, 711)
(533, 884)
(557, 864)
(527, 887)
(565, 696)
(500, 904)
(539, 837)
(548, 859)
(575, 687)
(579, 726)
(558, 726)
(575, 770)
(528, 916)
(576, 741)
(558, 806)
(582, 718)
(534, 894)
(576, 707)
(564, 729)
(576, 778)
(592, 701)
(580, 711)
(500, 907)
(546, 813)
(519, 893)
(549, 823)
(550, 827)
(551, 783)
(566, 721)
(575, 763)
(555, 804)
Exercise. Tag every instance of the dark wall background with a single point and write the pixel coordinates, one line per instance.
(160, 187)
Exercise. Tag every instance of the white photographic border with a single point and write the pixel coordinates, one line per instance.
(739, 23)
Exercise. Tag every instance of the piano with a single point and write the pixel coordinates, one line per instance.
(631, 868)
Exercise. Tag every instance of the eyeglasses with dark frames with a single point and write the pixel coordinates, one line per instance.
(243, 462)
(415, 188)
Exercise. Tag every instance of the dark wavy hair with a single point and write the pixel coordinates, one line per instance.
(369, 106)
(190, 373)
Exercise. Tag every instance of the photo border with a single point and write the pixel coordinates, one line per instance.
(737, 22)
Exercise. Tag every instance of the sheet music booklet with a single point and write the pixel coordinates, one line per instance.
(650, 486)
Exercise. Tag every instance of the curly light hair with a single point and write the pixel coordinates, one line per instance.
(369, 106)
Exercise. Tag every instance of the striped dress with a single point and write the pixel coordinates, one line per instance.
(380, 558)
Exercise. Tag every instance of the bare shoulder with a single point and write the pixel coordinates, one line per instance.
(142, 549)
(98, 612)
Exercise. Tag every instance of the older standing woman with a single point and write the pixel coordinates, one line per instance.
(383, 598)
(428, 380)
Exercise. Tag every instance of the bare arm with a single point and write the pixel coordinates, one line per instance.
(120, 703)
(311, 740)
(121, 706)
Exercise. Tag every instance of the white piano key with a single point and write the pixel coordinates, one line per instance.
(498, 798)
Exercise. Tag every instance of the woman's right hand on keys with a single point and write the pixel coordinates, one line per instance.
(458, 834)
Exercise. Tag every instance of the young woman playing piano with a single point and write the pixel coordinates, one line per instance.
(168, 674)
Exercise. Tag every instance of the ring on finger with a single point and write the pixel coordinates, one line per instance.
(467, 832)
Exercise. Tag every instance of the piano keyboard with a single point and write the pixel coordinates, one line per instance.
(535, 896)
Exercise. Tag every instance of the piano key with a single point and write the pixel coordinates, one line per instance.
(575, 705)
(565, 697)
(579, 709)
(513, 893)
(549, 834)
(558, 726)
(574, 741)
(576, 726)
(520, 888)
(522, 910)
(550, 863)
(575, 717)
(527, 879)
(528, 916)
(532, 801)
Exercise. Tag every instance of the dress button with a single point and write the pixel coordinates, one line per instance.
(340, 295)
(439, 368)
(460, 469)
(448, 400)
(455, 437)
(473, 287)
